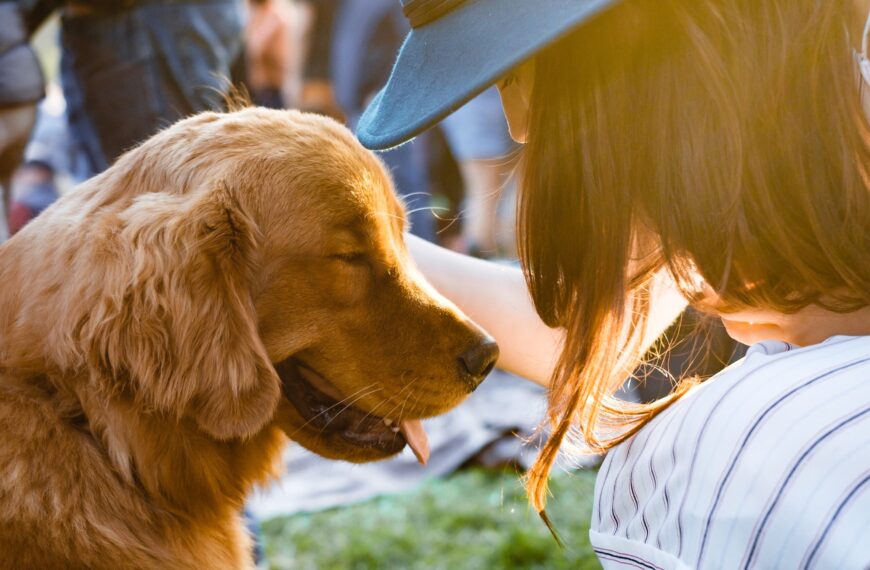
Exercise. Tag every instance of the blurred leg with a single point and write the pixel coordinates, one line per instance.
(478, 138)
(107, 71)
(484, 181)
(408, 165)
(16, 123)
(128, 73)
(198, 43)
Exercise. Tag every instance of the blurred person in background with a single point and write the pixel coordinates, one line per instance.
(51, 141)
(268, 50)
(316, 93)
(365, 37)
(480, 142)
(21, 87)
(52, 162)
(131, 67)
(33, 190)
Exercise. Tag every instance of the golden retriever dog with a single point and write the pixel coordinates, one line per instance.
(237, 280)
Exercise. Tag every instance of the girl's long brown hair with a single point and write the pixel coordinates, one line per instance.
(720, 139)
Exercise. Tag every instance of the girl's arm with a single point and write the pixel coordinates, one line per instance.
(496, 298)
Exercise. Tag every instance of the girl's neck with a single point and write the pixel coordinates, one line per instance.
(808, 326)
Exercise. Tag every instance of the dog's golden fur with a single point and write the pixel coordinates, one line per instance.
(141, 317)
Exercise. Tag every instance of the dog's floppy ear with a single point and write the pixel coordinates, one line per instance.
(178, 321)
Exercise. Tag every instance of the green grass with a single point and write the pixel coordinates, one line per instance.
(474, 519)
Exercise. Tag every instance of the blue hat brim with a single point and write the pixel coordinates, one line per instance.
(449, 61)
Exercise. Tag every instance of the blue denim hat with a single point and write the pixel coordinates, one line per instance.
(455, 50)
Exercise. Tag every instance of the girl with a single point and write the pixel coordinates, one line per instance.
(703, 151)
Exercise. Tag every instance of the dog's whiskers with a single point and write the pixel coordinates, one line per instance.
(371, 413)
(414, 195)
(348, 405)
(432, 209)
(401, 403)
(369, 389)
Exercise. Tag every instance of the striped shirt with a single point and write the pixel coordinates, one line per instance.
(766, 465)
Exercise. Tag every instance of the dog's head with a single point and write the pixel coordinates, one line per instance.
(254, 271)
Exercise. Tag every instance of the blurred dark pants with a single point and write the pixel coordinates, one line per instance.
(128, 73)
(269, 97)
(408, 165)
(365, 38)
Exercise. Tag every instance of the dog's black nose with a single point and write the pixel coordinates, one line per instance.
(478, 362)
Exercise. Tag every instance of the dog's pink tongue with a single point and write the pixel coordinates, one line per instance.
(416, 437)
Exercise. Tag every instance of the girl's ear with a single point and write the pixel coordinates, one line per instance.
(516, 97)
(178, 320)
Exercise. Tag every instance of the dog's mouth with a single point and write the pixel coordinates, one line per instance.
(323, 407)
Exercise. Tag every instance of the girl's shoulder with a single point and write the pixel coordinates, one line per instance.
(776, 380)
(763, 463)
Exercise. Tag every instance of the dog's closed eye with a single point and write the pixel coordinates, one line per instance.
(353, 258)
